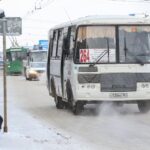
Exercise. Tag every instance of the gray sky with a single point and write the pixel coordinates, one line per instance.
(40, 15)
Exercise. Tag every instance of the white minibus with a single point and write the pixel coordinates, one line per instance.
(100, 59)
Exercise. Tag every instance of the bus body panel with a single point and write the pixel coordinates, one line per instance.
(56, 75)
(91, 90)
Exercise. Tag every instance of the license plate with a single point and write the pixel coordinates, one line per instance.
(118, 95)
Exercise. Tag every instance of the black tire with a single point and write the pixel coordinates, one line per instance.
(144, 106)
(78, 108)
(58, 100)
(59, 103)
(69, 95)
(53, 93)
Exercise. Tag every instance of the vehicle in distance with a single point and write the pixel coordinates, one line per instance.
(35, 64)
(15, 57)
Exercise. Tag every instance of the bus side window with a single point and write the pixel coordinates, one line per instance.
(71, 37)
(59, 44)
(8, 55)
(54, 43)
(50, 46)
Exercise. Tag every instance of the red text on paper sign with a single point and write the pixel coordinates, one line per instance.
(84, 55)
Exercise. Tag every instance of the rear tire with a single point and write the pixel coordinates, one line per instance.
(59, 103)
(69, 95)
(78, 108)
(144, 106)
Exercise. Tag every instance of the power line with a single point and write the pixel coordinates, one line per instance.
(67, 14)
(42, 20)
(39, 5)
(37, 28)
(133, 1)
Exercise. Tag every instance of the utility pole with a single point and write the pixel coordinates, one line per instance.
(3, 21)
(15, 30)
(4, 76)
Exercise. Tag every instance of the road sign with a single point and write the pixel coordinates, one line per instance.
(44, 44)
(13, 26)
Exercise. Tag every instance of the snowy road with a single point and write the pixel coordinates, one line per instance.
(112, 129)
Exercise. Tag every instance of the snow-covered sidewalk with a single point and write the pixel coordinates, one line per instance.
(27, 133)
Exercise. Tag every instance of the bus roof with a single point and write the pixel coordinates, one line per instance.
(14, 49)
(106, 20)
(36, 51)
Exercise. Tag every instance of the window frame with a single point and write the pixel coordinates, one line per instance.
(104, 25)
(54, 43)
(59, 43)
(117, 42)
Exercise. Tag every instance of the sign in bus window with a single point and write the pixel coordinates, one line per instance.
(92, 55)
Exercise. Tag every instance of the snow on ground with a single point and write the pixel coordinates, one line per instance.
(25, 132)
(35, 124)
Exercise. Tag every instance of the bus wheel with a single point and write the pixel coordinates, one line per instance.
(144, 106)
(69, 95)
(59, 103)
(78, 108)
